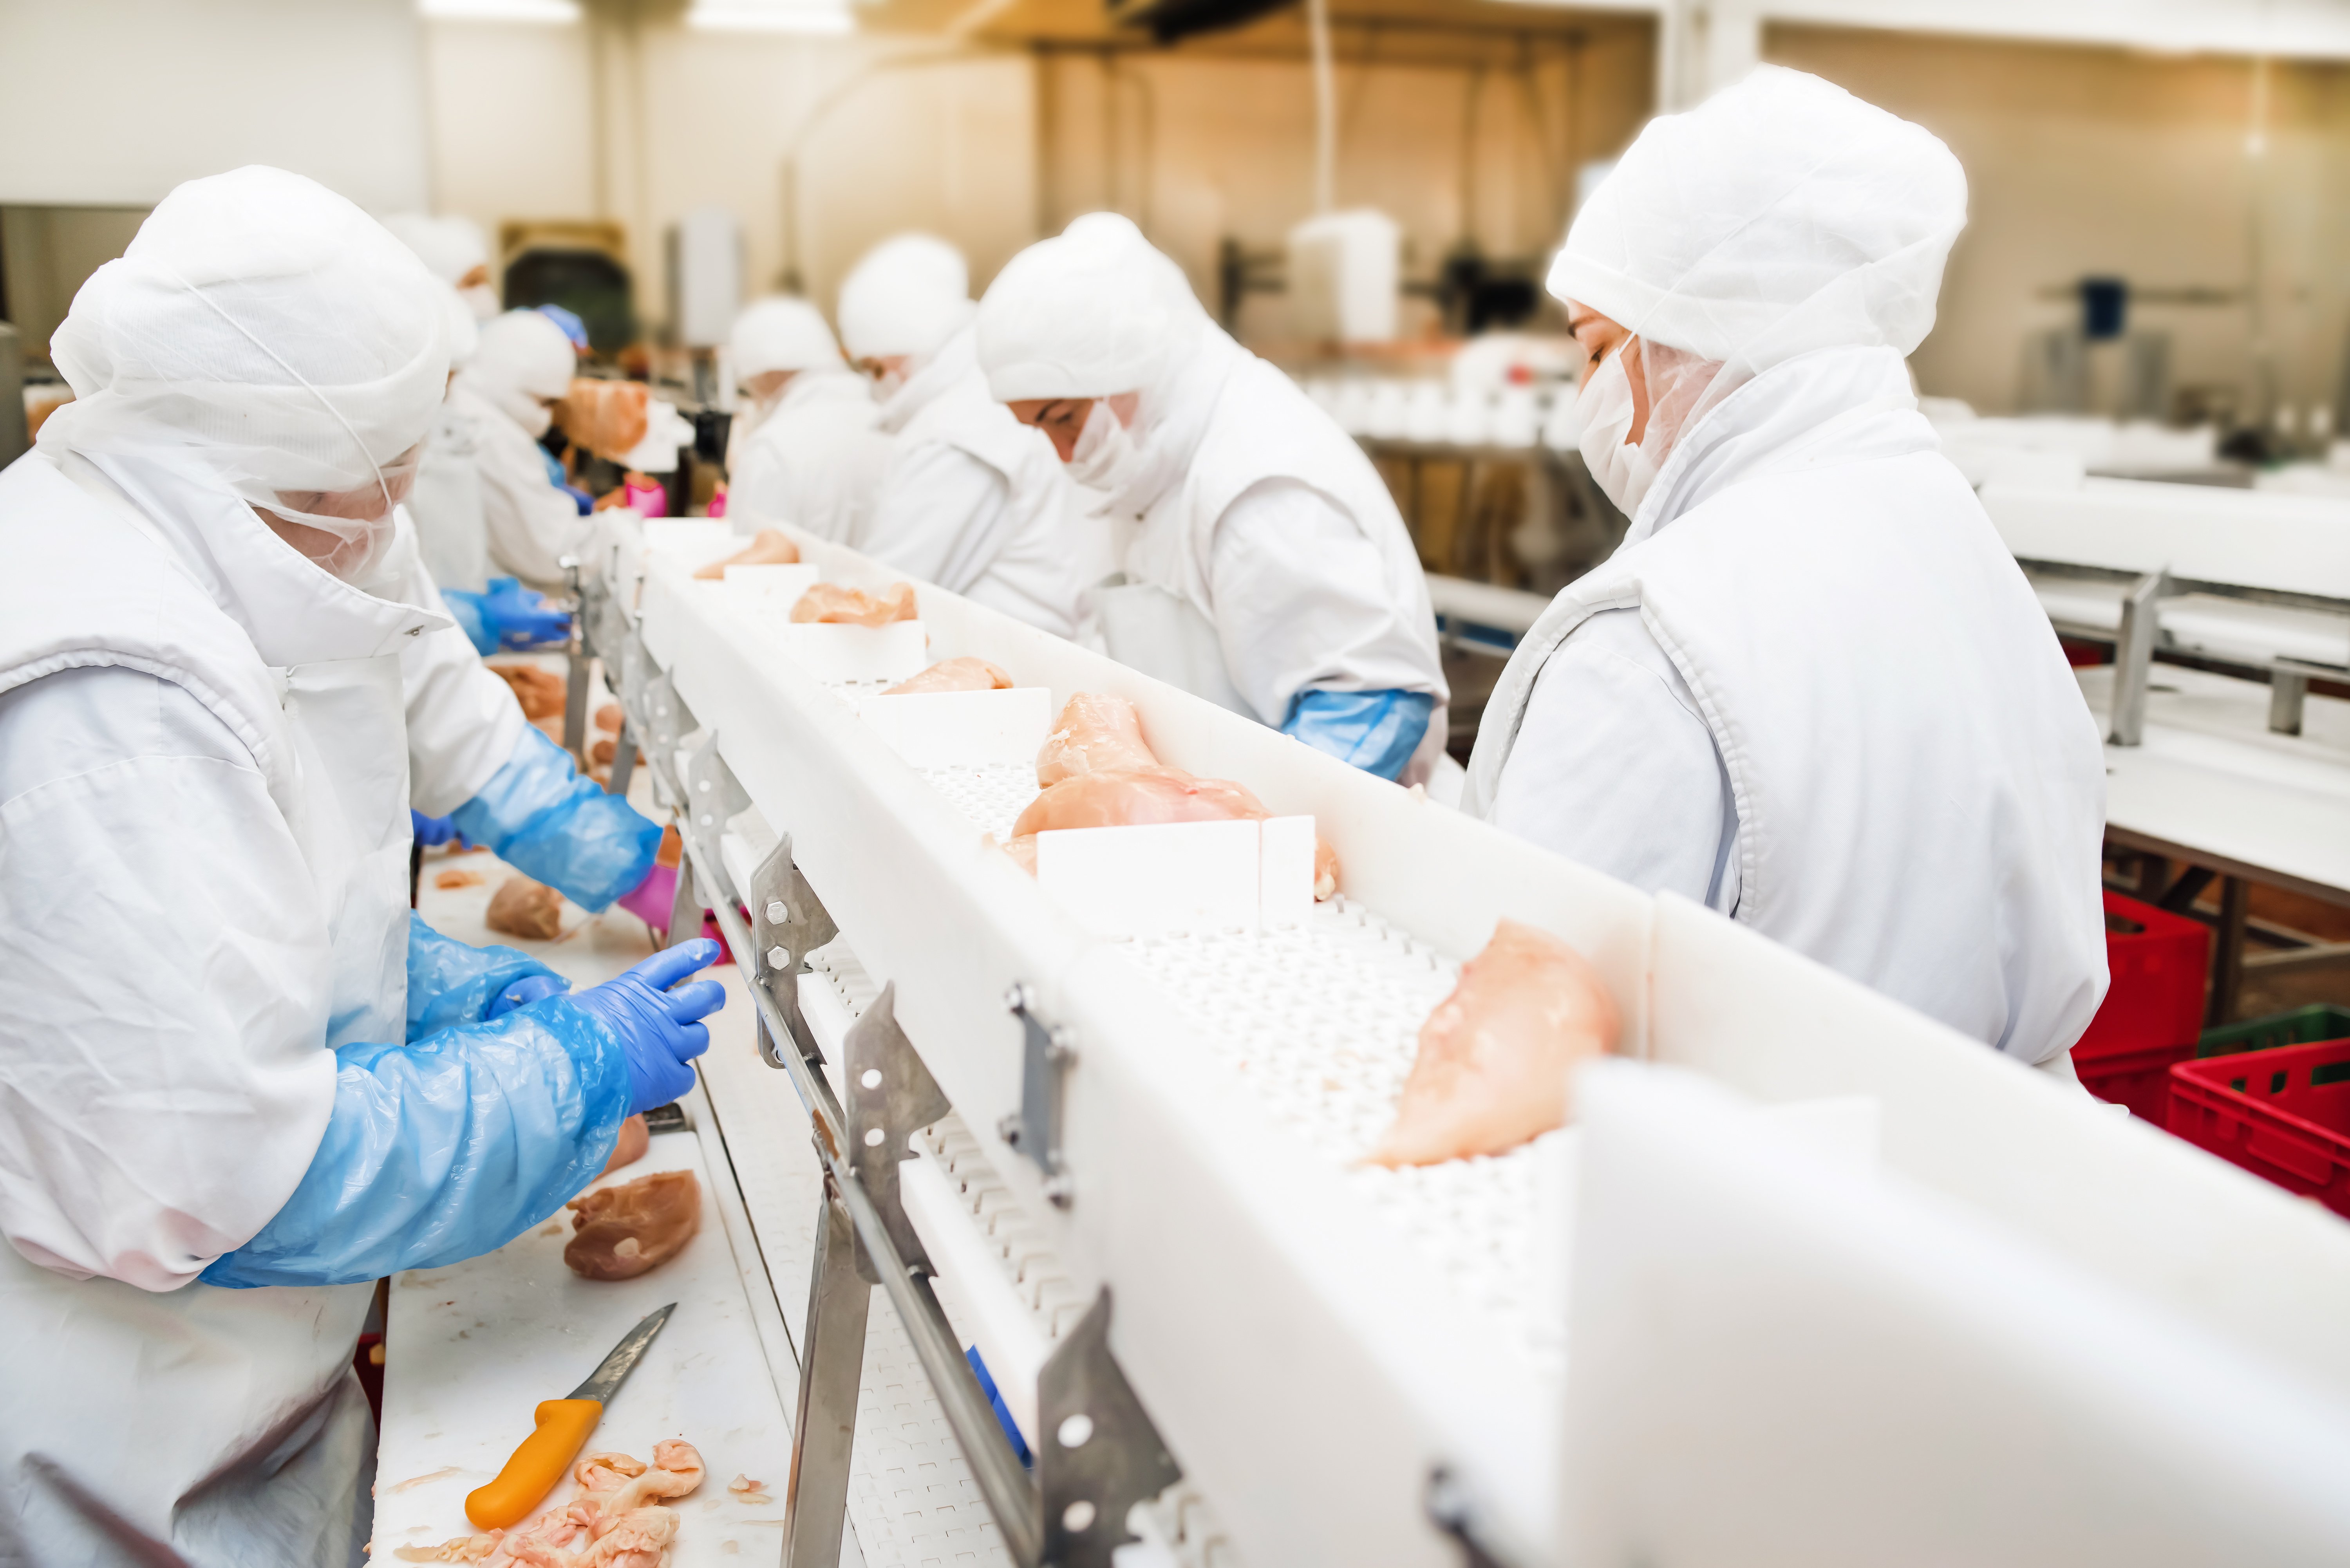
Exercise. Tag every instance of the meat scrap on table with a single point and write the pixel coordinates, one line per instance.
(616, 1517)
(626, 1231)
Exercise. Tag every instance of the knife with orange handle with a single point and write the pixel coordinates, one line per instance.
(563, 1426)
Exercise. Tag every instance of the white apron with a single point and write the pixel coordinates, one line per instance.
(202, 1425)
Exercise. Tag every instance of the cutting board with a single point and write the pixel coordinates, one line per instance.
(471, 1350)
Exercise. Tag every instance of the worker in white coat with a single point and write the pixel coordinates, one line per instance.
(1812, 689)
(521, 370)
(1271, 571)
(806, 447)
(229, 1057)
(969, 500)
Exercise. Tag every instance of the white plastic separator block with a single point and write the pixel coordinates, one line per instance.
(840, 653)
(692, 539)
(962, 729)
(769, 589)
(1176, 877)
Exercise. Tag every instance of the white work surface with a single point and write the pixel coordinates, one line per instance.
(2212, 784)
(472, 1349)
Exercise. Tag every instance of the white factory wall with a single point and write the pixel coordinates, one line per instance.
(114, 102)
(2088, 161)
(895, 133)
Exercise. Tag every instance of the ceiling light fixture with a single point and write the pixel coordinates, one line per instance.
(550, 12)
(819, 18)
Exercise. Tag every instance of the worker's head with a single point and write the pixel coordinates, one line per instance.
(900, 305)
(1781, 216)
(1078, 333)
(523, 369)
(263, 337)
(775, 340)
(452, 249)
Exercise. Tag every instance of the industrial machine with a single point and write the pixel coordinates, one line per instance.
(1105, 1126)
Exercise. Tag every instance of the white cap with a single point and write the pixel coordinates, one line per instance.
(1780, 215)
(908, 296)
(523, 357)
(263, 327)
(780, 333)
(1092, 313)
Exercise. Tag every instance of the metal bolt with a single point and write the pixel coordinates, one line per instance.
(1015, 997)
(777, 957)
(1058, 1050)
(1008, 1129)
(1060, 1191)
(776, 913)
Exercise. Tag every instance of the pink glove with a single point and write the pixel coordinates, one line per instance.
(654, 899)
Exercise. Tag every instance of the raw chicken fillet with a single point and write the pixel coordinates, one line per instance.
(953, 675)
(630, 1147)
(838, 604)
(1495, 1055)
(522, 907)
(616, 1516)
(619, 1232)
(768, 547)
(1095, 734)
(607, 418)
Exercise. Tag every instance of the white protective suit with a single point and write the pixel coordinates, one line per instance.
(971, 499)
(531, 525)
(452, 249)
(1270, 558)
(198, 723)
(451, 527)
(1811, 688)
(812, 454)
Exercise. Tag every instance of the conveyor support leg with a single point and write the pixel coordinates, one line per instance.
(832, 1361)
(2134, 657)
(624, 761)
(2288, 694)
(2228, 969)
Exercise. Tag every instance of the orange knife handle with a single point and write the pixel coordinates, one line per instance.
(537, 1465)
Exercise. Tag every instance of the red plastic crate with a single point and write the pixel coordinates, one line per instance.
(2281, 1114)
(2152, 1012)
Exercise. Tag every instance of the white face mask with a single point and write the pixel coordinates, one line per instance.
(1105, 457)
(1604, 405)
(481, 299)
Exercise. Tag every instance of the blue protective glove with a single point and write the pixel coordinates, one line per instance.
(451, 982)
(660, 1027)
(445, 1148)
(554, 474)
(579, 498)
(523, 993)
(1374, 730)
(509, 616)
(551, 825)
(430, 830)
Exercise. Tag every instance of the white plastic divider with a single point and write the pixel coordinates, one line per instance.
(1253, 1280)
(2133, 1205)
(962, 729)
(2243, 538)
(1175, 877)
(765, 587)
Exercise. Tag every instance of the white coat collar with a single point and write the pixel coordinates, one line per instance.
(932, 379)
(1174, 417)
(294, 612)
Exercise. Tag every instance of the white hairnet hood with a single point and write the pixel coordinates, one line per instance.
(1780, 215)
(262, 334)
(523, 356)
(908, 296)
(1091, 312)
(782, 335)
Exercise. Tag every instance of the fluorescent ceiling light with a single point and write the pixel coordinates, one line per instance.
(817, 16)
(557, 12)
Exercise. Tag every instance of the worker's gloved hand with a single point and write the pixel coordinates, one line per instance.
(431, 831)
(523, 993)
(661, 1028)
(521, 618)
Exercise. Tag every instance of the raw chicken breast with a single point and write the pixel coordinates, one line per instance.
(634, 1139)
(768, 547)
(623, 1231)
(540, 691)
(1095, 734)
(1495, 1056)
(838, 604)
(953, 675)
(607, 418)
(522, 907)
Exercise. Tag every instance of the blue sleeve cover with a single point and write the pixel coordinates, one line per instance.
(545, 821)
(450, 982)
(1374, 730)
(466, 609)
(446, 1148)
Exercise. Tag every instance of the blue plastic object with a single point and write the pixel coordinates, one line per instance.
(445, 1147)
(554, 474)
(548, 822)
(507, 616)
(1374, 730)
(1003, 1411)
(451, 982)
(430, 830)
(573, 327)
(523, 993)
(661, 1028)
(579, 498)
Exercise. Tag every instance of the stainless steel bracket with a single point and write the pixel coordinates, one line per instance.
(666, 718)
(712, 796)
(891, 1095)
(1045, 1057)
(2288, 695)
(1451, 1510)
(2134, 647)
(788, 922)
(577, 659)
(1098, 1454)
